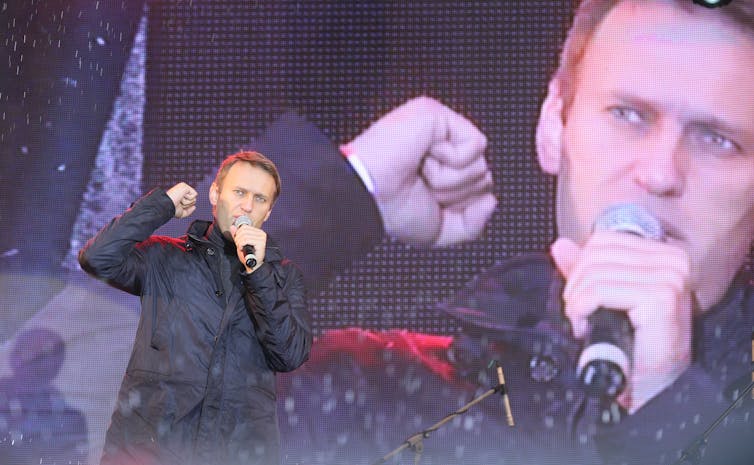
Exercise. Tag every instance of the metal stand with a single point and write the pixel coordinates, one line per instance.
(692, 454)
(414, 442)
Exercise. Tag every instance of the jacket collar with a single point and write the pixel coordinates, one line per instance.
(722, 327)
(202, 233)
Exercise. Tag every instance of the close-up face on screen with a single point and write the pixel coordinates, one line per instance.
(349, 233)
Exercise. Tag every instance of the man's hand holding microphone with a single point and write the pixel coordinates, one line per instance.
(250, 242)
(623, 271)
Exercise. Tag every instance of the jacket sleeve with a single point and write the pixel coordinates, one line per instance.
(325, 218)
(276, 300)
(116, 254)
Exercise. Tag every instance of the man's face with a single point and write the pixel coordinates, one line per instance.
(663, 116)
(246, 190)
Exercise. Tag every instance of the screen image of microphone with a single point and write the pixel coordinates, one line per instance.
(248, 249)
(606, 357)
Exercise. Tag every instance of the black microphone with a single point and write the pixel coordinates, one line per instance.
(606, 356)
(248, 249)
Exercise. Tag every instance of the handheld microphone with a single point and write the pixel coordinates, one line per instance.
(248, 249)
(606, 356)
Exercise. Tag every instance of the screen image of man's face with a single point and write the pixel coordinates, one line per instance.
(663, 116)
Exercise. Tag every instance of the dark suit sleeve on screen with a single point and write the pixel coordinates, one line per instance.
(325, 217)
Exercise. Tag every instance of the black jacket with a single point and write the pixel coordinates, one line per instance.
(200, 384)
(516, 307)
(370, 391)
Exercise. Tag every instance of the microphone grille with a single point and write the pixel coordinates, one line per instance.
(630, 218)
(241, 221)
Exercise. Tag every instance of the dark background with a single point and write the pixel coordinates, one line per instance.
(218, 71)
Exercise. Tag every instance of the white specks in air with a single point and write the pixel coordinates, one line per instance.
(289, 404)
(329, 405)
(70, 82)
(9, 253)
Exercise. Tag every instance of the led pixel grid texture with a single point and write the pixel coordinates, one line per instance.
(218, 72)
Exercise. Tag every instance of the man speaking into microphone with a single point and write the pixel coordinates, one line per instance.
(652, 105)
(222, 312)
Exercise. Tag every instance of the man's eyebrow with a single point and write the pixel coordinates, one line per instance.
(717, 124)
(635, 100)
(695, 120)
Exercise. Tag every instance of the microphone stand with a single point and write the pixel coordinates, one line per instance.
(414, 442)
(693, 452)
